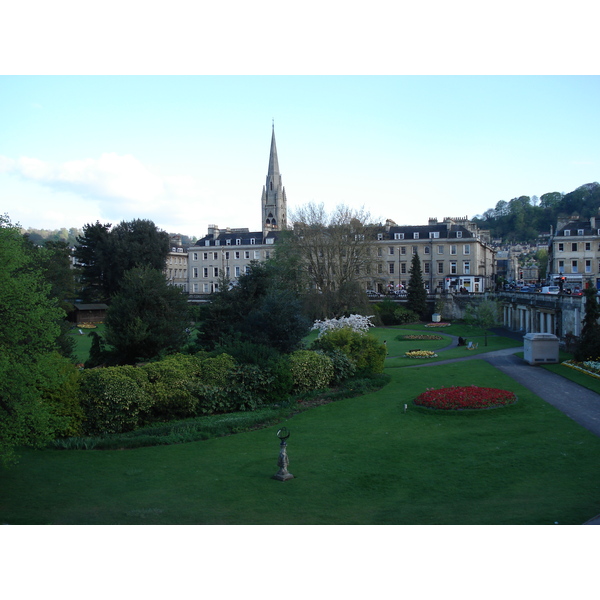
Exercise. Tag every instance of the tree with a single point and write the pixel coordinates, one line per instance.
(416, 292)
(29, 365)
(484, 315)
(105, 255)
(588, 347)
(334, 252)
(147, 317)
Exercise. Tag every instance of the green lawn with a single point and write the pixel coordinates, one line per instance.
(361, 460)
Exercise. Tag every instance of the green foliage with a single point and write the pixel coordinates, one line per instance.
(588, 347)
(217, 370)
(343, 366)
(29, 330)
(310, 370)
(111, 400)
(364, 349)
(147, 317)
(106, 255)
(416, 292)
(390, 313)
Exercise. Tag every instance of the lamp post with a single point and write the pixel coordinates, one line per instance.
(282, 475)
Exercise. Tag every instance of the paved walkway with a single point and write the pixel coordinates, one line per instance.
(575, 401)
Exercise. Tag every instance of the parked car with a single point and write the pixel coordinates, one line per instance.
(550, 289)
(373, 294)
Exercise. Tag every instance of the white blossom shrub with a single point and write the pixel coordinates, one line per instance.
(357, 323)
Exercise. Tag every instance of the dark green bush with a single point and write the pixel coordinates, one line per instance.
(343, 366)
(310, 370)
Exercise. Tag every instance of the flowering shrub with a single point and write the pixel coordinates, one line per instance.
(422, 336)
(461, 398)
(420, 354)
(437, 325)
(589, 367)
(354, 322)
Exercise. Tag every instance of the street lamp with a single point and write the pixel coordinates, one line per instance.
(282, 475)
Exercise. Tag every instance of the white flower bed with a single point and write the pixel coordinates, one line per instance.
(355, 322)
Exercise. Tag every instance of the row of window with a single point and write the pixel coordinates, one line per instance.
(416, 235)
(567, 232)
(441, 269)
(238, 242)
(426, 249)
(574, 246)
(237, 255)
(575, 266)
(217, 272)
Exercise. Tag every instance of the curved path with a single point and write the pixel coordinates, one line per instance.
(575, 401)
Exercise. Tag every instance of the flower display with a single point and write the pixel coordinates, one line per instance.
(420, 354)
(354, 322)
(422, 336)
(589, 367)
(441, 324)
(465, 398)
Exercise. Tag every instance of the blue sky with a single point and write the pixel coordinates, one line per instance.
(186, 151)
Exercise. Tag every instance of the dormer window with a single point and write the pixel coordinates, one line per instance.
(580, 232)
(252, 241)
(434, 234)
(228, 242)
(567, 232)
(459, 234)
(207, 242)
(238, 242)
(416, 235)
(400, 236)
(380, 236)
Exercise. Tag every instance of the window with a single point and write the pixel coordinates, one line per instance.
(574, 266)
(588, 245)
(205, 288)
(403, 267)
(574, 247)
(567, 232)
(391, 250)
(427, 250)
(398, 236)
(440, 267)
(467, 249)
(561, 266)
(427, 268)
(237, 271)
(217, 242)
(195, 288)
(453, 249)
(402, 249)
(440, 249)
(459, 234)
(195, 272)
(434, 234)
(580, 232)
(379, 252)
(227, 272)
(246, 254)
(228, 242)
(588, 266)
(467, 267)
(380, 236)
(195, 256)
(252, 241)
(561, 247)
(205, 256)
(215, 256)
(205, 272)
(207, 242)
(391, 268)
(238, 242)
(414, 249)
(416, 235)
(226, 255)
(379, 268)
(453, 267)
(270, 240)
(256, 254)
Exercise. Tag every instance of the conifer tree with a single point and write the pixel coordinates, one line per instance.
(416, 292)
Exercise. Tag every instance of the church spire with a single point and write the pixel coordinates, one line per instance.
(274, 201)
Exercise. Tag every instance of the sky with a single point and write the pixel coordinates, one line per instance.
(189, 151)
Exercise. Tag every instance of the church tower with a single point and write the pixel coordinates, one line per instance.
(274, 202)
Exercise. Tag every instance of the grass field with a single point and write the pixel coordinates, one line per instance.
(360, 460)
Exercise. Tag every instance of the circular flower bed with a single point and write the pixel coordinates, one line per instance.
(464, 398)
(437, 325)
(420, 354)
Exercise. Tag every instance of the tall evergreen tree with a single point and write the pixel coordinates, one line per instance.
(589, 342)
(416, 292)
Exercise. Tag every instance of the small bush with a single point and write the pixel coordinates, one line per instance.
(343, 366)
(364, 349)
(111, 401)
(310, 370)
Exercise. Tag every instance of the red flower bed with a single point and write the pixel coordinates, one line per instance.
(462, 398)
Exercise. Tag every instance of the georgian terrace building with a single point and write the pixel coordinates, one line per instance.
(574, 252)
(454, 254)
